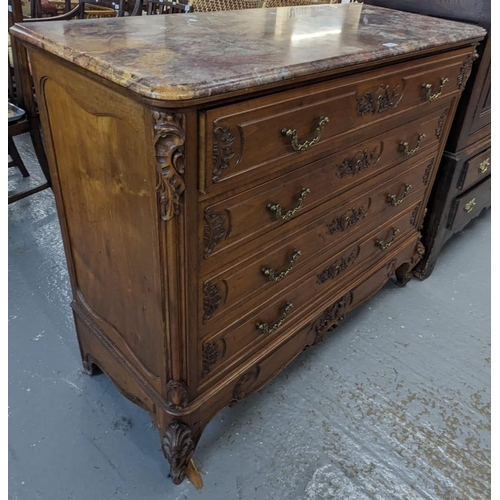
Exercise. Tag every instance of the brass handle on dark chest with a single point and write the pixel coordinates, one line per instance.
(271, 274)
(393, 198)
(267, 329)
(405, 146)
(386, 244)
(428, 88)
(276, 208)
(304, 146)
(469, 207)
(484, 166)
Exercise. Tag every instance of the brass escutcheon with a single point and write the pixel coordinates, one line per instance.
(267, 329)
(304, 146)
(428, 87)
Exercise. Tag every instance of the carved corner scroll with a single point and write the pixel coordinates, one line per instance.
(222, 152)
(466, 69)
(360, 161)
(331, 317)
(414, 215)
(427, 173)
(169, 137)
(217, 227)
(178, 447)
(439, 128)
(176, 395)
(380, 100)
(348, 219)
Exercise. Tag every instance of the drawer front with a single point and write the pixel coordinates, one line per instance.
(227, 293)
(257, 138)
(469, 205)
(232, 222)
(475, 170)
(271, 319)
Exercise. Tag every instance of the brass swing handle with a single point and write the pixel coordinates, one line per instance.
(428, 87)
(271, 274)
(393, 198)
(404, 146)
(304, 146)
(384, 245)
(276, 208)
(484, 166)
(267, 329)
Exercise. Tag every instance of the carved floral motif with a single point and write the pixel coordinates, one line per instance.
(331, 316)
(222, 151)
(217, 227)
(466, 69)
(338, 267)
(359, 162)
(348, 219)
(178, 448)
(169, 140)
(380, 100)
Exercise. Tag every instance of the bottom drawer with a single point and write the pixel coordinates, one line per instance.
(272, 319)
(251, 374)
(466, 207)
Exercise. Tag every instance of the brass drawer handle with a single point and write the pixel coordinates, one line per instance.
(393, 199)
(267, 329)
(404, 146)
(428, 87)
(271, 274)
(384, 245)
(276, 208)
(304, 146)
(469, 207)
(484, 166)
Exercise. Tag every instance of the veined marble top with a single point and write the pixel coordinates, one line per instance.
(193, 55)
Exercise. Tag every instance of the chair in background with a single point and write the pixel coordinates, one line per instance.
(217, 5)
(21, 95)
(166, 7)
(295, 3)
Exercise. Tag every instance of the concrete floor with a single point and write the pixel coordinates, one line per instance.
(395, 404)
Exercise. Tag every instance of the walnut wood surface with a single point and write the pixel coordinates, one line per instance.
(168, 290)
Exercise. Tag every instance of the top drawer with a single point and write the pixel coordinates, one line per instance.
(256, 138)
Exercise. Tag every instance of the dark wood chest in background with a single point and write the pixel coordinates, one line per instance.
(462, 188)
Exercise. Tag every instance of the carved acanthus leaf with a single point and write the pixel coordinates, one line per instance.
(178, 448)
(380, 100)
(359, 162)
(348, 219)
(222, 151)
(339, 266)
(466, 69)
(169, 138)
(212, 352)
(211, 299)
(217, 227)
(176, 395)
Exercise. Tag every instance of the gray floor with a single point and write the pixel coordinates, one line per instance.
(394, 405)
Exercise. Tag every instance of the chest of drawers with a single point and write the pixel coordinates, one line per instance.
(223, 207)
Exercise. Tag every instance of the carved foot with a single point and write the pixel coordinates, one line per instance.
(403, 275)
(178, 447)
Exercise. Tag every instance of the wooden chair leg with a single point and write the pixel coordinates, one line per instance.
(36, 139)
(14, 154)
